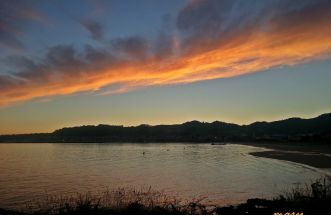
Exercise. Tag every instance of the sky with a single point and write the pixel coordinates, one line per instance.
(69, 63)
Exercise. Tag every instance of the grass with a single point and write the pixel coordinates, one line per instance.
(119, 201)
(308, 198)
(311, 199)
(301, 199)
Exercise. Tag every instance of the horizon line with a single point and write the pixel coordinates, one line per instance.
(152, 125)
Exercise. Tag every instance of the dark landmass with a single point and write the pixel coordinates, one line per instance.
(307, 200)
(317, 130)
(316, 155)
(315, 160)
(301, 147)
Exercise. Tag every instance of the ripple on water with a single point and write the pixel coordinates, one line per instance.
(223, 174)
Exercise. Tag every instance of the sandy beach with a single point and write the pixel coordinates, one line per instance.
(315, 155)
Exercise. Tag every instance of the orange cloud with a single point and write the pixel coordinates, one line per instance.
(249, 50)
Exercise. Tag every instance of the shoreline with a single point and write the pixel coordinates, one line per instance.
(317, 161)
(314, 155)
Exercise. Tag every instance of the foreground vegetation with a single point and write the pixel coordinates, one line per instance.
(300, 200)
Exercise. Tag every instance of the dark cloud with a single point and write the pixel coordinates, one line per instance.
(165, 45)
(203, 15)
(62, 55)
(206, 22)
(59, 62)
(208, 39)
(27, 70)
(306, 13)
(10, 23)
(98, 57)
(10, 40)
(92, 54)
(21, 63)
(166, 41)
(135, 47)
(7, 82)
(94, 28)
(14, 14)
(59, 59)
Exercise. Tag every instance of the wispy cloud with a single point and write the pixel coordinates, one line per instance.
(214, 39)
(94, 28)
(13, 16)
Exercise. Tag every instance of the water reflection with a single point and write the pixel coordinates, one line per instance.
(226, 173)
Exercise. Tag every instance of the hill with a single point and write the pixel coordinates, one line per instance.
(316, 129)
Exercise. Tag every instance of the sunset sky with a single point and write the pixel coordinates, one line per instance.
(66, 63)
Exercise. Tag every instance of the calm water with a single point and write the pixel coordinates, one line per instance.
(225, 174)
